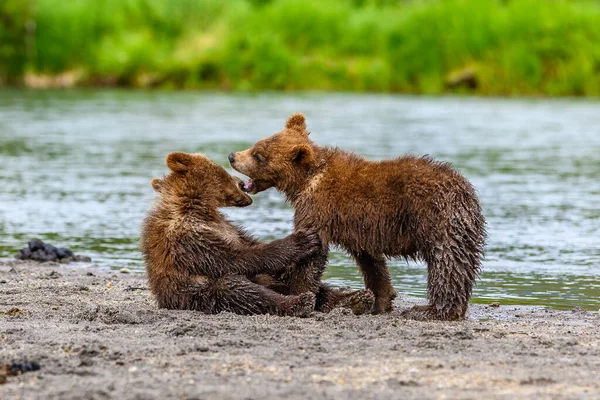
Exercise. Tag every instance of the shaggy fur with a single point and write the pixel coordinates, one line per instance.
(186, 223)
(196, 259)
(409, 207)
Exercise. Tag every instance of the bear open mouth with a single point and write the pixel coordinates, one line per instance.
(247, 186)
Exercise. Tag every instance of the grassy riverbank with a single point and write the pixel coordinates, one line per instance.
(480, 46)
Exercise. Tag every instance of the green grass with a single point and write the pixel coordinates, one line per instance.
(548, 47)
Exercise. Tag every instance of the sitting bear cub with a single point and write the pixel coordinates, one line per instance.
(196, 259)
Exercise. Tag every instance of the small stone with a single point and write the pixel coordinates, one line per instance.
(2, 280)
(89, 273)
(54, 275)
(86, 362)
(13, 312)
(108, 285)
(495, 304)
(18, 368)
(125, 271)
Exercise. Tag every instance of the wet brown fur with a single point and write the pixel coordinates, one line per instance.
(187, 211)
(411, 207)
(196, 259)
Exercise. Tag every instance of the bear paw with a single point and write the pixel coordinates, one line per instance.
(302, 306)
(360, 302)
(429, 313)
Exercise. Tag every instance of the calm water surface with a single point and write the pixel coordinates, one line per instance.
(76, 171)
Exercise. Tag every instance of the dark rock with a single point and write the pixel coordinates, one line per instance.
(36, 244)
(25, 253)
(63, 252)
(49, 249)
(23, 367)
(37, 250)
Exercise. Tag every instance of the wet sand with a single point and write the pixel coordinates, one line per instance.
(99, 335)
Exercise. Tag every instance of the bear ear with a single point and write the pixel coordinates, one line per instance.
(179, 162)
(157, 184)
(296, 121)
(302, 154)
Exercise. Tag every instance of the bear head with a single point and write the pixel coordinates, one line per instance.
(278, 159)
(196, 177)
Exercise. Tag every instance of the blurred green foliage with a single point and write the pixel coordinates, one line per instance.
(494, 46)
(15, 17)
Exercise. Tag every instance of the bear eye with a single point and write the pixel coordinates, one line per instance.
(257, 158)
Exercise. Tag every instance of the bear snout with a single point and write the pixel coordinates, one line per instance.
(243, 202)
(231, 157)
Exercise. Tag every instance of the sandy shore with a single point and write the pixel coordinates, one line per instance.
(99, 335)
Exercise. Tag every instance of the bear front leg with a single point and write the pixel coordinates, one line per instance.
(218, 258)
(377, 279)
(306, 275)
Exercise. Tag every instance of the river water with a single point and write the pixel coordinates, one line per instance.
(76, 170)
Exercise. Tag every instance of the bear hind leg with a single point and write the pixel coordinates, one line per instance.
(239, 295)
(451, 274)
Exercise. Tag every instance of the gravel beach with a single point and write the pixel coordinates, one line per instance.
(99, 335)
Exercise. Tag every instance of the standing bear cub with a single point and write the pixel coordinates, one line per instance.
(196, 259)
(409, 207)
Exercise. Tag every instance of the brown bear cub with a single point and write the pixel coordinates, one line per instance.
(411, 207)
(196, 259)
